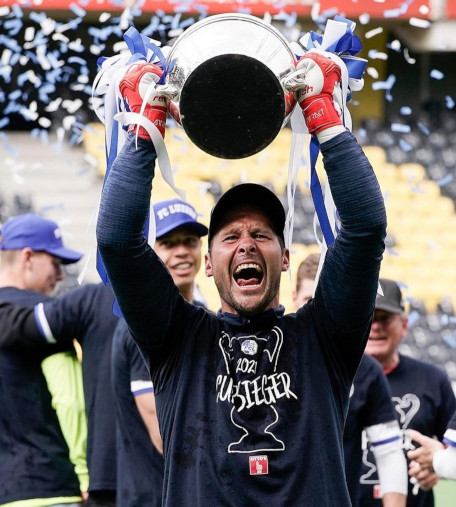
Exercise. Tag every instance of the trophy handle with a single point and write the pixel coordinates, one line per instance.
(169, 91)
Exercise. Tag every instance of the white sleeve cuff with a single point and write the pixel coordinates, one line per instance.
(141, 386)
(382, 436)
(42, 323)
(450, 438)
(329, 133)
(386, 444)
(444, 463)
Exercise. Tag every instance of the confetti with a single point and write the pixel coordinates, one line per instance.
(44, 122)
(104, 16)
(413, 318)
(372, 72)
(289, 19)
(13, 26)
(364, 18)
(445, 180)
(424, 10)
(374, 32)
(423, 128)
(392, 13)
(404, 145)
(419, 23)
(76, 9)
(395, 45)
(407, 57)
(29, 33)
(405, 111)
(373, 54)
(436, 74)
(449, 102)
(385, 85)
(400, 127)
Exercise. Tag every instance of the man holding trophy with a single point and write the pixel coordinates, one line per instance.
(251, 402)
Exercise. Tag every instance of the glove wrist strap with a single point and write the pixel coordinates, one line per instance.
(329, 133)
(319, 114)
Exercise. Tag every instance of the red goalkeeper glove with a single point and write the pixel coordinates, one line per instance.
(137, 85)
(319, 92)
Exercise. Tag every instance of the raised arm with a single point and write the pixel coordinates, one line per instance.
(19, 327)
(349, 278)
(139, 279)
(350, 274)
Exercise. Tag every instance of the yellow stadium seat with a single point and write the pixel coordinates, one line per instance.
(412, 173)
(376, 156)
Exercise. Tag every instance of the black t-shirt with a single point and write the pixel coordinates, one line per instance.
(34, 457)
(424, 401)
(452, 423)
(370, 404)
(139, 465)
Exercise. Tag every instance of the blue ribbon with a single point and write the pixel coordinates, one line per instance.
(346, 48)
(139, 46)
(317, 194)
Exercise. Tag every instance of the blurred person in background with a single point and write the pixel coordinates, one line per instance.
(421, 392)
(370, 419)
(35, 465)
(86, 313)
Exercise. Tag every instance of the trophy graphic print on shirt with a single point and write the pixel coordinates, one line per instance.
(253, 386)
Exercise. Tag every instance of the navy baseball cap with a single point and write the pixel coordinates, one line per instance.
(391, 301)
(251, 194)
(38, 233)
(170, 215)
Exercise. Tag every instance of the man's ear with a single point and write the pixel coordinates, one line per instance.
(404, 325)
(26, 254)
(285, 259)
(208, 265)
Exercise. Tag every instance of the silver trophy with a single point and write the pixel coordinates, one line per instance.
(226, 87)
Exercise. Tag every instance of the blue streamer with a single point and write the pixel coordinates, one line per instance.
(346, 47)
(139, 46)
(317, 194)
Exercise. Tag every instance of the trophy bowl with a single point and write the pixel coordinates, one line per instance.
(226, 79)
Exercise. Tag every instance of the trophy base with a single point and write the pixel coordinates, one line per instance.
(232, 106)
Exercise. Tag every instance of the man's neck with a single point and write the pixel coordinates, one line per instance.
(391, 363)
(11, 279)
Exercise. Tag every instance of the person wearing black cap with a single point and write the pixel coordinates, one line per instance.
(421, 392)
(251, 402)
(34, 456)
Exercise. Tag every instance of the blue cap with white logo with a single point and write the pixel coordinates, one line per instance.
(170, 215)
(38, 233)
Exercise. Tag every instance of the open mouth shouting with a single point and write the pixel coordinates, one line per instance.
(248, 274)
